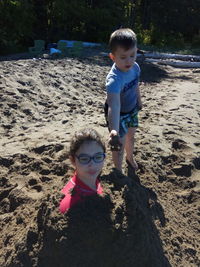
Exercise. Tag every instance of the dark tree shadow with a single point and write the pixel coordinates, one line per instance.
(152, 73)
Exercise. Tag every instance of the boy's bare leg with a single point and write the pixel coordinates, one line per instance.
(117, 156)
(129, 147)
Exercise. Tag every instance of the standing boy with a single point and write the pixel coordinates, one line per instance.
(123, 96)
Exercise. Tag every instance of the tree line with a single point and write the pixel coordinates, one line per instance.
(156, 22)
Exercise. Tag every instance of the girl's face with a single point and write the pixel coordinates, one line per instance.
(91, 169)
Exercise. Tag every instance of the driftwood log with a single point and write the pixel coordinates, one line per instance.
(176, 60)
(177, 63)
(172, 56)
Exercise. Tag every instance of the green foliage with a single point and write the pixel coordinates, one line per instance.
(15, 25)
(196, 41)
(23, 21)
(158, 24)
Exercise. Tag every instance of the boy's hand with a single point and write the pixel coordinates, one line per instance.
(114, 141)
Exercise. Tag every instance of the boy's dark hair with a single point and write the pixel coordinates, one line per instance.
(85, 135)
(124, 38)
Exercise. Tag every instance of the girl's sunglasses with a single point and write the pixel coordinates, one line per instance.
(85, 159)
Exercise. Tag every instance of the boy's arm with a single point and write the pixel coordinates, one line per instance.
(139, 101)
(113, 100)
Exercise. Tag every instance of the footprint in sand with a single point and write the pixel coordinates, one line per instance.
(48, 149)
(196, 162)
(166, 132)
(5, 162)
(38, 188)
(169, 158)
(16, 198)
(189, 196)
(45, 179)
(34, 184)
(173, 109)
(184, 106)
(14, 106)
(197, 144)
(183, 169)
(179, 144)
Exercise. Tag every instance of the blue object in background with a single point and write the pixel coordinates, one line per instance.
(85, 44)
(54, 51)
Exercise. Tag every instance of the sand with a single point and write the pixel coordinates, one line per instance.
(151, 219)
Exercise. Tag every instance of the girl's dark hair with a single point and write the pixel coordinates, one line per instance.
(124, 38)
(83, 136)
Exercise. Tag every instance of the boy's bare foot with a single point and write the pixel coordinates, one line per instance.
(133, 164)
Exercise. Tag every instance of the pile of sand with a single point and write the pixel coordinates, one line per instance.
(151, 223)
(114, 230)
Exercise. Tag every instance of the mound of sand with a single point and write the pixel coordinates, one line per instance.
(151, 219)
(113, 230)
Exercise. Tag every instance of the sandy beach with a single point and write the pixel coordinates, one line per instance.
(151, 223)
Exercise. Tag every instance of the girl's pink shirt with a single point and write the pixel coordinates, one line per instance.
(75, 191)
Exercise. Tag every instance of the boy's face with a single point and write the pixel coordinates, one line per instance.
(124, 59)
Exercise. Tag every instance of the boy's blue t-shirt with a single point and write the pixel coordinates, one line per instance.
(125, 84)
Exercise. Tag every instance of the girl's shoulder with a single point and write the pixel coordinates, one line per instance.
(70, 185)
(71, 197)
